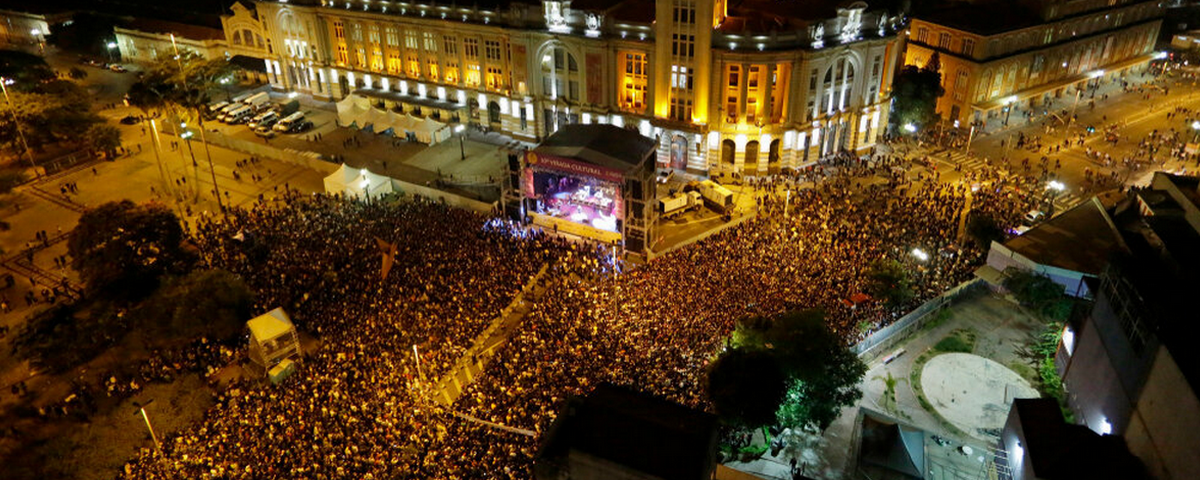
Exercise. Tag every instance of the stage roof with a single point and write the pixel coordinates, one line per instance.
(601, 145)
(270, 325)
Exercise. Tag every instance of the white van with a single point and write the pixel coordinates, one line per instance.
(268, 116)
(258, 100)
(241, 97)
(286, 123)
(238, 115)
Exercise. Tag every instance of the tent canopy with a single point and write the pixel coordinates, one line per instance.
(270, 325)
(358, 111)
(895, 447)
(355, 182)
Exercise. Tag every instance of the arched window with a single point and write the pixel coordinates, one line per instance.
(237, 38)
(839, 81)
(751, 154)
(560, 74)
(773, 153)
(679, 152)
(493, 112)
(727, 150)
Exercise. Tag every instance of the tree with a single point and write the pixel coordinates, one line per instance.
(103, 137)
(1039, 293)
(915, 91)
(887, 279)
(25, 69)
(746, 387)
(49, 112)
(822, 374)
(984, 230)
(122, 249)
(77, 73)
(203, 302)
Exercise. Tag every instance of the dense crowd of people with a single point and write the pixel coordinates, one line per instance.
(359, 405)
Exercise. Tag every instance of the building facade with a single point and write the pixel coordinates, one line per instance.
(750, 89)
(147, 41)
(1000, 56)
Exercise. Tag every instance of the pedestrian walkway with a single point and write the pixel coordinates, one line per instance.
(446, 390)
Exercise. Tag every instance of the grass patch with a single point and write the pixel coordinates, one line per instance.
(958, 341)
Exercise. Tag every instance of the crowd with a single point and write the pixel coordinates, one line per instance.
(358, 407)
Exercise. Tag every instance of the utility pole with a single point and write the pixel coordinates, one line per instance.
(142, 411)
(17, 123)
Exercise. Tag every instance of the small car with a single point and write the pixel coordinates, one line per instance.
(129, 120)
(117, 68)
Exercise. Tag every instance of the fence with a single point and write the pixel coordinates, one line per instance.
(287, 155)
(887, 337)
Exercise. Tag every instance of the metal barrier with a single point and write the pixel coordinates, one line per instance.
(885, 338)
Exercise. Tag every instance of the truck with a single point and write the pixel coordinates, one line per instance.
(286, 124)
(716, 196)
(258, 100)
(677, 204)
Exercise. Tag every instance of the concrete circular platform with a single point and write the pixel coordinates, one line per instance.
(972, 392)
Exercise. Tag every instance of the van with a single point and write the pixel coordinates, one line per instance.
(241, 97)
(258, 100)
(217, 106)
(268, 116)
(220, 115)
(238, 115)
(286, 124)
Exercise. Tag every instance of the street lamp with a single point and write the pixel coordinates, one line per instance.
(111, 47)
(910, 128)
(4, 83)
(920, 254)
(142, 411)
(461, 149)
(1196, 128)
(1008, 101)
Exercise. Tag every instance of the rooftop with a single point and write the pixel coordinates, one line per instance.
(1062, 451)
(602, 145)
(984, 18)
(182, 30)
(647, 434)
(1080, 239)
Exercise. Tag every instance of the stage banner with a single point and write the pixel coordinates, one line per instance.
(565, 165)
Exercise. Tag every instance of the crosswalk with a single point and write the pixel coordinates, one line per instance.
(957, 157)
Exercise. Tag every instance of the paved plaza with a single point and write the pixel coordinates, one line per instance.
(972, 392)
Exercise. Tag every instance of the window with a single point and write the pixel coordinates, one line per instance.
(414, 66)
(377, 60)
(681, 77)
(731, 108)
(922, 35)
(812, 81)
(410, 39)
(361, 56)
(968, 47)
(681, 109)
(633, 92)
(339, 30)
(356, 32)
(960, 85)
(495, 78)
(433, 69)
(473, 76)
(944, 41)
(237, 37)
(492, 49)
(684, 15)
(450, 45)
(431, 44)
(752, 78)
(394, 66)
(373, 35)
(683, 45)
(343, 57)
(733, 76)
(451, 72)
(471, 48)
(392, 38)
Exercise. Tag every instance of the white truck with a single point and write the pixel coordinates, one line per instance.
(677, 204)
(718, 197)
(258, 100)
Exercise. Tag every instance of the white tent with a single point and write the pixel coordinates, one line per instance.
(358, 111)
(352, 109)
(357, 183)
(439, 132)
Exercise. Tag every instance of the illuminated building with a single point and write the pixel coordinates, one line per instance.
(749, 89)
(998, 55)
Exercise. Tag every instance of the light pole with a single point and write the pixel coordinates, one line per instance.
(142, 411)
(4, 83)
(1053, 189)
(1196, 128)
(111, 46)
(461, 149)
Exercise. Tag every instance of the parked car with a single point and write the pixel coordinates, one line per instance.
(265, 131)
(129, 120)
(117, 68)
(301, 126)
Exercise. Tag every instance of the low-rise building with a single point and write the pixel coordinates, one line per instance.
(145, 40)
(30, 25)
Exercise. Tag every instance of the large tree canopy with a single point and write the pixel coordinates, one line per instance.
(915, 91)
(204, 302)
(746, 387)
(887, 279)
(26, 70)
(822, 375)
(122, 248)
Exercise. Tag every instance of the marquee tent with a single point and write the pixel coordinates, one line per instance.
(357, 183)
(356, 110)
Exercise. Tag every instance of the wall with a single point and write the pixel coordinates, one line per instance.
(1165, 428)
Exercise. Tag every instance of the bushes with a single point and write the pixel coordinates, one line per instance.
(953, 344)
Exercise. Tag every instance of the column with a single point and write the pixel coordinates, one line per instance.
(743, 82)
